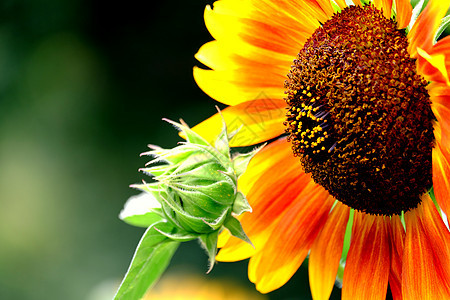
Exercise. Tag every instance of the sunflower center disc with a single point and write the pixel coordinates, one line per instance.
(359, 116)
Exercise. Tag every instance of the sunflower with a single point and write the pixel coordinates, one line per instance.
(354, 101)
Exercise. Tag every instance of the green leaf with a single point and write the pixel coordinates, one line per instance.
(150, 260)
(235, 228)
(209, 243)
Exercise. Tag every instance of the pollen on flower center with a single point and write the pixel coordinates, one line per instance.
(359, 117)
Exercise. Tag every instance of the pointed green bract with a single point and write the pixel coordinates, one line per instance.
(241, 204)
(241, 161)
(235, 228)
(209, 242)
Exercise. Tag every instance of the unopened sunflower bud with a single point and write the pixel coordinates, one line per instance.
(196, 185)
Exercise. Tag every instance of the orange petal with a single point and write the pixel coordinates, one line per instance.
(290, 242)
(397, 244)
(426, 257)
(326, 253)
(385, 5)
(441, 177)
(233, 87)
(434, 63)
(258, 121)
(404, 13)
(432, 66)
(422, 33)
(273, 180)
(440, 104)
(368, 259)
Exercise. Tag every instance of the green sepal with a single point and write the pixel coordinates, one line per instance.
(241, 204)
(444, 24)
(199, 204)
(222, 142)
(152, 188)
(159, 170)
(222, 159)
(186, 221)
(152, 256)
(172, 156)
(203, 170)
(241, 161)
(156, 170)
(235, 228)
(209, 243)
(232, 134)
(186, 200)
(180, 236)
(191, 136)
(217, 223)
(219, 194)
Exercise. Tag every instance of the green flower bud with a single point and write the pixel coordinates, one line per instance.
(196, 186)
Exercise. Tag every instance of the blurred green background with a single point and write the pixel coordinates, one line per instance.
(83, 88)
